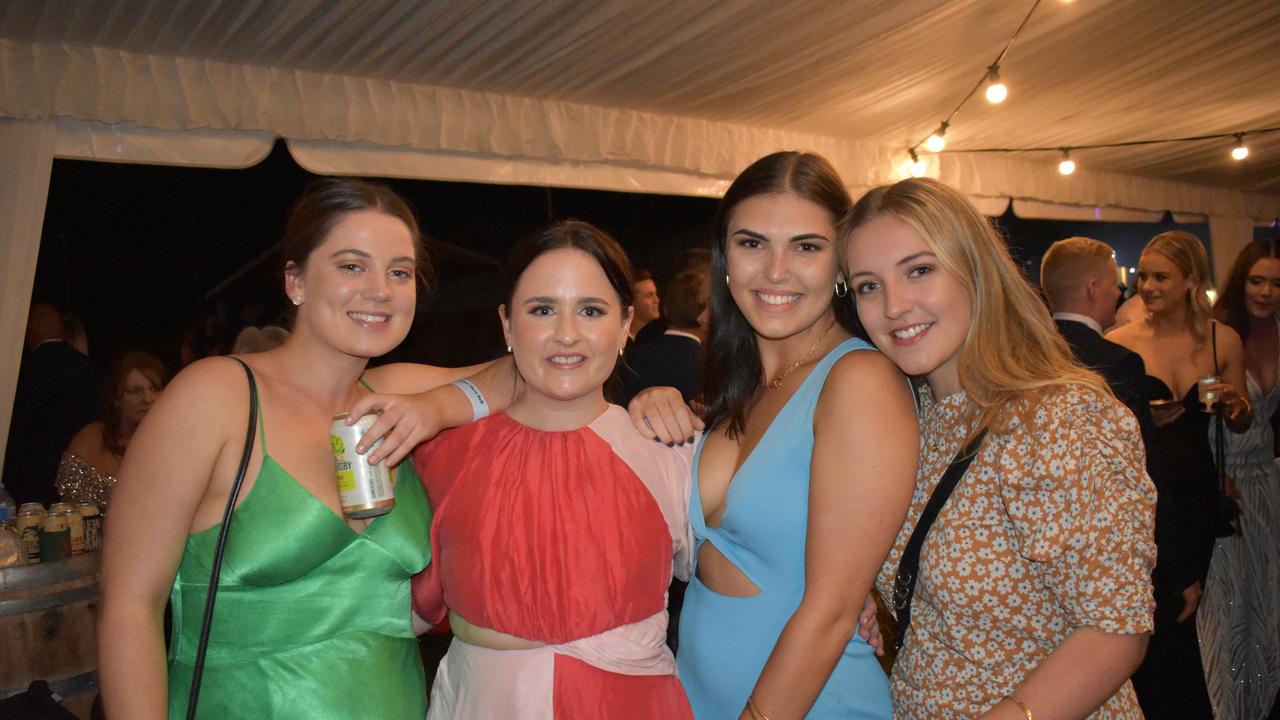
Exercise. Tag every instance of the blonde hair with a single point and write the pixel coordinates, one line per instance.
(1013, 354)
(1068, 264)
(1187, 253)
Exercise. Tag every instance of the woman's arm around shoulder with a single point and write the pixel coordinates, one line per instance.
(164, 482)
(415, 402)
(866, 445)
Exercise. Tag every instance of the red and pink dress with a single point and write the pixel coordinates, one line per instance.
(567, 538)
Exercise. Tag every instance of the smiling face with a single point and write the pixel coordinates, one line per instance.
(565, 326)
(1262, 288)
(357, 289)
(781, 263)
(1162, 284)
(137, 395)
(913, 309)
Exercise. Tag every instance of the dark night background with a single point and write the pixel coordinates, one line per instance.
(143, 254)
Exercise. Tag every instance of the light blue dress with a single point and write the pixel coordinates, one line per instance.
(725, 641)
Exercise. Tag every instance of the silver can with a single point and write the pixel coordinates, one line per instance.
(92, 526)
(35, 507)
(29, 521)
(365, 490)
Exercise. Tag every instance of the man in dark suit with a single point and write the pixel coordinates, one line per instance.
(57, 394)
(1079, 279)
(674, 358)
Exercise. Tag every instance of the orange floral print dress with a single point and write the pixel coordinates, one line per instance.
(1051, 529)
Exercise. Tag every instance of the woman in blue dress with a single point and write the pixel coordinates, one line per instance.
(806, 471)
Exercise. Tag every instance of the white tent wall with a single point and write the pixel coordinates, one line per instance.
(26, 154)
(115, 105)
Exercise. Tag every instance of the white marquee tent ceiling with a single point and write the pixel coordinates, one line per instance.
(883, 72)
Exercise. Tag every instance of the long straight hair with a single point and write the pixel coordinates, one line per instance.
(734, 368)
(1012, 354)
(1231, 307)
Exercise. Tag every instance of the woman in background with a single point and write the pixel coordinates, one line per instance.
(1033, 594)
(87, 472)
(1180, 344)
(1239, 617)
(557, 525)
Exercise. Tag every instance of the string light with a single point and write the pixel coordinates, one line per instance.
(1067, 166)
(937, 142)
(915, 166)
(1240, 151)
(996, 90)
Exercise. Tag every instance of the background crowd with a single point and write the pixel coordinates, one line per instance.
(1156, 515)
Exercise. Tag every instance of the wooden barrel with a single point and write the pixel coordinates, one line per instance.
(47, 629)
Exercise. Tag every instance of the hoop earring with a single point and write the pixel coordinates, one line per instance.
(842, 288)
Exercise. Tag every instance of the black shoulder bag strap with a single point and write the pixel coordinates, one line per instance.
(198, 670)
(904, 583)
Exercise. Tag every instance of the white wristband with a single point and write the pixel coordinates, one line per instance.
(479, 406)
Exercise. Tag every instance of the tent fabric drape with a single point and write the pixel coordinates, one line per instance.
(457, 134)
(26, 154)
(123, 142)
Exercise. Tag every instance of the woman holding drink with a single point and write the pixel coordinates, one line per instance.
(312, 618)
(1190, 358)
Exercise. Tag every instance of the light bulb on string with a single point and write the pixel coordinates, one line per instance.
(1240, 151)
(937, 141)
(915, 166)
(996, 90)
(1067, 166)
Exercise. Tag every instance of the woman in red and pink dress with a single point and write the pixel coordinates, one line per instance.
(557, 526)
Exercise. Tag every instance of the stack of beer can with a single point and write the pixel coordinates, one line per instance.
(60, 532)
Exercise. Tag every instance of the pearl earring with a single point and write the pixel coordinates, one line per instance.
(297, 301)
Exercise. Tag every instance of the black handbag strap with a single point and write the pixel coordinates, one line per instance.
(904, 583)
(198, 670)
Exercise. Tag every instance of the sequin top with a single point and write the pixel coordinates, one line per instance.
(78, 481)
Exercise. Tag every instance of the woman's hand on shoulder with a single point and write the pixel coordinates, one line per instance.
(660, 414)
(404, 421)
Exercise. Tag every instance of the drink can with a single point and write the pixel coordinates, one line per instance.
(29, 529)
(55, 537)
(92, 526)
(75, 526)
(35, 507)
(1208, 397)
(365, 490)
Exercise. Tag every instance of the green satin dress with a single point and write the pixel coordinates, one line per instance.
(312, 618)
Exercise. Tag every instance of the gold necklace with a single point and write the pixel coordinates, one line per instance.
(777, 382)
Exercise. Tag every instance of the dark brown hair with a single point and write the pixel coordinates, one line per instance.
(1231, 308)
(576, 235)
(326, 201)
(733, 358)
(151, 368)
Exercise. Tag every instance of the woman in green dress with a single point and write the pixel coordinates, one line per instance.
(312, 618)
